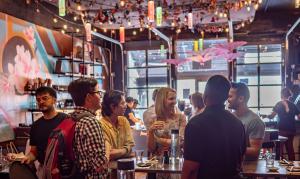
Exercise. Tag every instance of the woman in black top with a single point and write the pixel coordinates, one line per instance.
(286, 112)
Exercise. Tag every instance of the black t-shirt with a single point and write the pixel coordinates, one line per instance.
(126, 114)
(286, 121)
(216, 140)
(40, 131)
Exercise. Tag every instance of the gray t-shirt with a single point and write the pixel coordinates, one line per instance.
(254, 127)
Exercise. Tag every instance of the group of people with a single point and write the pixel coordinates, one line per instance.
(215, 141)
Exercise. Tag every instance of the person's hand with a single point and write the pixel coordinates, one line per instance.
(157, 125)
(26, 159)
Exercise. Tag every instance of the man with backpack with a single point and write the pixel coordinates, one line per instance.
(41, 129)
(88, 144)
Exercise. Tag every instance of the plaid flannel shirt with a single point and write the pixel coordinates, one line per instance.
(89, 145)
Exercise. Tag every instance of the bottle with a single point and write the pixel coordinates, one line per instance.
(174, 145)
(166, 157)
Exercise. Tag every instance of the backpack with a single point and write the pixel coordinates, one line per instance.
(59, 159)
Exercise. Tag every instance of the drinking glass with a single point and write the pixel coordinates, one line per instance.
(139, 156)
(270, 158)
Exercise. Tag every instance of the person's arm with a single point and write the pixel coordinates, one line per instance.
(31, 156)
(152, 139)
(117, 153)
(189, 169)
(129, 141)
(253, 150)
(272, 115)
(128, 144)
(133, 118)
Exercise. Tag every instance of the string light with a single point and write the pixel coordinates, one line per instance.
(256, 6)
(95, 30)
(248, 8)
(226, 30)
(54, 20)
(79, 7)
(63, 31)
(104, 30)
(134, 32)
(178, 30)
(75, 18)
(122, 3)
(221, 14)
(129, 22)
(173, 24)
(65, 26)
(113, 31)
(243, 24)
(259, 1)
(141, 29)
(77, 30)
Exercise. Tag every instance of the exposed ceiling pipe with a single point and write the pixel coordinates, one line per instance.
(287, 45)
(121, 46)
(163, 36)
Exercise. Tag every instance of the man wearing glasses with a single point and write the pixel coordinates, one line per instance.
(89, 144)
(41, 129)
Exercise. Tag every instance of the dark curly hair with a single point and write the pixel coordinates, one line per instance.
(46, 89)
(112, 97)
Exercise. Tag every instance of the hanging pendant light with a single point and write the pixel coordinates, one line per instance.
(196, 47)
(201, 44)
(88, 31)
(61, 7)
(201, 41)
(158, 16)
(122, 34)
(151, 10)
(162, 49)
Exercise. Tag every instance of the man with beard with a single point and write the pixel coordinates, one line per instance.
(41, 129)
(254, 127)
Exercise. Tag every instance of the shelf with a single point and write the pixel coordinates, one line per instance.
(77, 60)
(78, 75)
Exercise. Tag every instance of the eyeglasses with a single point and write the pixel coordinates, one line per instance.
(96, 92)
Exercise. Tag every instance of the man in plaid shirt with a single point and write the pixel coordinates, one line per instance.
(89, 145)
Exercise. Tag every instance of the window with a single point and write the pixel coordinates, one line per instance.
(192, 76)
(261, 69)
(145, 72)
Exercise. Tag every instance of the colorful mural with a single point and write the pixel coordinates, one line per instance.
(26, 53)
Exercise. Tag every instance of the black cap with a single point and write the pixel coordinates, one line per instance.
(125, 164)
(174, 131)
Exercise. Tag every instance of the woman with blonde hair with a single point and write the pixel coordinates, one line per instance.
(168, 118)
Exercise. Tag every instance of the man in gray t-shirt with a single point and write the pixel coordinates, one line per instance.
(254, 127)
